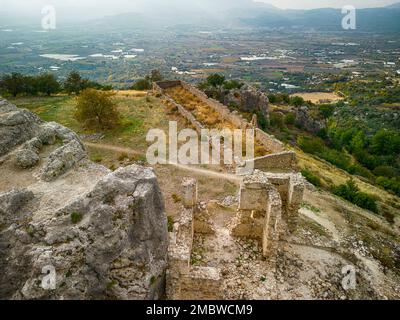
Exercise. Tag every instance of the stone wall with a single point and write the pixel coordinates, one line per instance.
(183, 281)
(279, 161)
(280, 158)
(264, 200)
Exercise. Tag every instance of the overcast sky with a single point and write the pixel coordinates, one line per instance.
(308, 4)
(118, 6)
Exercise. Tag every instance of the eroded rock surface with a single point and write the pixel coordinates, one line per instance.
(102, 234)
(248, 99)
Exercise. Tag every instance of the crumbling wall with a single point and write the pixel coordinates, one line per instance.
(291, 189)
(264, 200)
(269, 142)
(259, 212)
(183, 281)
(279, 161)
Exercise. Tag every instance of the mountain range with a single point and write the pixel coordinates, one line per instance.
(221, 14)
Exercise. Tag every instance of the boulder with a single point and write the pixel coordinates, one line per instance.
(63, 159)
(109, 243)
(26, 158)
(16, 126)
(98, 234)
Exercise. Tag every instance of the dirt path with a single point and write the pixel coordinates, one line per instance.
(203, 172)
(324, 222)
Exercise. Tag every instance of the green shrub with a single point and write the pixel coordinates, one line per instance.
(352, 193)
(311, 145)
(97, 110)
(176, 198)
(141, 85)
(311, 178)
(277, 120)
(76, 217)
(290, 119)
(326, 110)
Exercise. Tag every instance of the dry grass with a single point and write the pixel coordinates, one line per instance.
(207, 115)
(319, 97)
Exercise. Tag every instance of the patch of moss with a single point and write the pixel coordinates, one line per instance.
(170, 224)
(176, 198)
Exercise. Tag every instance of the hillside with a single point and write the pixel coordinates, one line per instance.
(331, 233)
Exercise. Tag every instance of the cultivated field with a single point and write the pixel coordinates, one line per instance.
(319, 97)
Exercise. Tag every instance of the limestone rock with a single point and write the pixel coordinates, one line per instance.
(116, 249)
(62, 160)
(47, 134)
(16, 126)
(12, 201)
(103, 233)
(305, 120)
(26, 158)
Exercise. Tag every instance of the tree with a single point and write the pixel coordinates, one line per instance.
(96, 109)
(385, 142)
(13, 84)
(232, 84)
(297, 101)
(47, 83)
(142, 84)
(74, 83)
(156, 76)
(215, 80)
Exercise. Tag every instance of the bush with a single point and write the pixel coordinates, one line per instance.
(326, 110)
(141, 85)
(392, 184)
(232, 84)
(76, 217)
(290, 119)
(385, 171)
(277, 120)
(215, 80)
(311, 177)
(96, 110)
(311, 145)
(352, 193)
(297, 101)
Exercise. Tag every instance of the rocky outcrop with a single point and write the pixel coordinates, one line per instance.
(72, 229)
(16, 126)
(305, 120)
(248, 99)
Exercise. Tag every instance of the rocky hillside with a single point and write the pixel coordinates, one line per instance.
(102, 234)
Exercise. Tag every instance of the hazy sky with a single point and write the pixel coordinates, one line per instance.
(118, 6)
(307, 4)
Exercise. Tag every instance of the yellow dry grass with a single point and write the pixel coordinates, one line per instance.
(319, 97)
(131, 93)
(206, 114)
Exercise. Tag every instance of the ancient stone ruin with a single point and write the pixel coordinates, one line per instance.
(105, 233)
(268, 207)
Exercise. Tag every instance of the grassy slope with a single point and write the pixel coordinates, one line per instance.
(141, 114)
